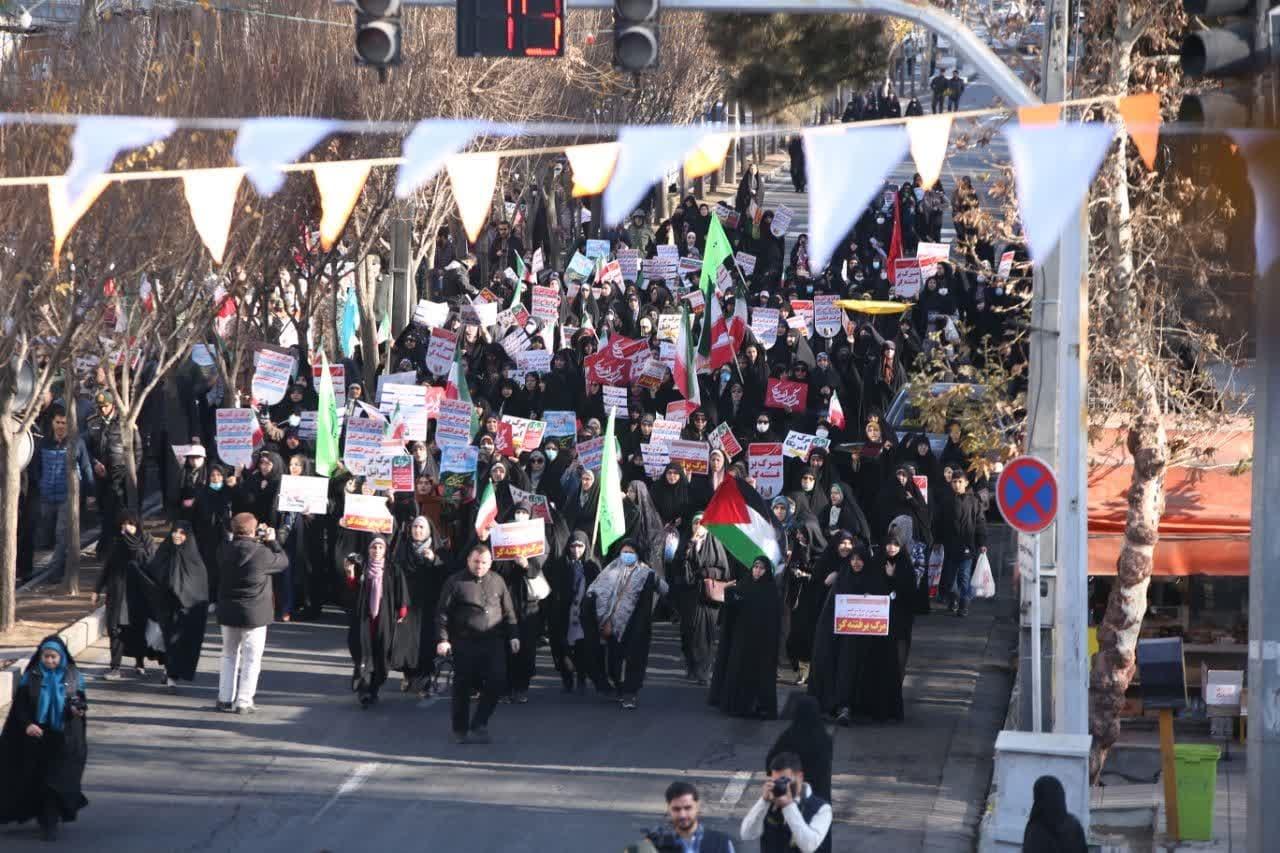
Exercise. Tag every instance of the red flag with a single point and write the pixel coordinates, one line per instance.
(785, 394)
(895, 244)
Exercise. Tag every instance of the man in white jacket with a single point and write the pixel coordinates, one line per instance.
(788, 815)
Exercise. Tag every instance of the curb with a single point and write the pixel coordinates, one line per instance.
(78, 636)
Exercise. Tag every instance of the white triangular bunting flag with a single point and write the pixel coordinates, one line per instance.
(929, 136)
(473, 178)
(591, 165)
(339, 185)
(1263, 167)
(99, 139)
(211, 197)
(263, 145)
(1053, 166)
(645, 155)
(845, 169)
(428, 146)
(65, 213)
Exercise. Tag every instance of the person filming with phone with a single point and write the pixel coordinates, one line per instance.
(788, 814)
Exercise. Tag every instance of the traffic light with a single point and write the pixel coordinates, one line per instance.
(635, 34)
(378, 32)
(1241, 46)
(510, 28)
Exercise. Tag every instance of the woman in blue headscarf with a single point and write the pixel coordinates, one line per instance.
(42, 745)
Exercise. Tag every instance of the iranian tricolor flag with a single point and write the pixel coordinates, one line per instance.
(741, 319)
(835, 411)
(457, 388)
(487, 511)
(715, 347)
(739, 518)
(685, 373)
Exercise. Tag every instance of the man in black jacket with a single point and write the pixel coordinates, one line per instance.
(105, 441)
(245, 567)
(473, 619)
(962, 532)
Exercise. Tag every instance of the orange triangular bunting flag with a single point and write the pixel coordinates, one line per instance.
(1142, 119)
(1040, 114)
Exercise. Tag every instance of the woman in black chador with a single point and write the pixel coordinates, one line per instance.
(179, 598)
(416, 558)
(855, 677)
(382, 603)
(42, 745)
(746, 664)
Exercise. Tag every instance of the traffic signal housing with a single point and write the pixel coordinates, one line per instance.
(1234, 49)
(635, 34)
(378, 32)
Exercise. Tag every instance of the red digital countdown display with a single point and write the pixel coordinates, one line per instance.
(510, 28)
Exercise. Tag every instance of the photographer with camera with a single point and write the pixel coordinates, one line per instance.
(788, 814)
(245, 566)
(684, 832)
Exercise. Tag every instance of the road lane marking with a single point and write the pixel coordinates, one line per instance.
(354, 781)
(736, 788)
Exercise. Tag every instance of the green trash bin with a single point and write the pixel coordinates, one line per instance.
(1197, 772)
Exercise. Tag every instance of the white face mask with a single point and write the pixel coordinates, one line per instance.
(999, 291)
(943, 291)
(762, 427)
(821, 432)
(879, 220)
(295, 420)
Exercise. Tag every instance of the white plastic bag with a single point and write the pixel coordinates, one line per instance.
(984, 583)
(155, 636)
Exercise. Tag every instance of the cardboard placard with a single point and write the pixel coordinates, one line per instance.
(657, 456)
(591, 453)
(238, 433)
(517, 539)
(366, 513)
(764, 463)
(271, 374)
(453, 424)
(782, 216)
(580, 265)
(411, 402)
(727, 215)
(629, 263)
(862, 615)
(693, 456)
(458, 471)
(930, 254)
(308, 495)
(539, 507)
(546, 303)
(660, 269)
(440, 351)
(430, 314)
(907, 275)
(826, 315)
(722, 438)
(338, 375)
(561, 423)
(363, 444)
(652, 375)
(597, 249)
(526, 434)
(615, 397)
(764, 325)
(746, 263)
(532, 361)
(515, 341)
(1006, 264)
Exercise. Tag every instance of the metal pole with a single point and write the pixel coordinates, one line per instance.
(1037, 712)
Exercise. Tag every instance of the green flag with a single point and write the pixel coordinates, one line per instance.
(609, 513)
(713, 257)
(326, 423)
(520, 276)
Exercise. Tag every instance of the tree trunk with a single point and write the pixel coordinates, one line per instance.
(71, 571)
(128, 441)
(10, 486)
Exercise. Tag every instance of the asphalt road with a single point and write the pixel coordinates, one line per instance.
(311, 771)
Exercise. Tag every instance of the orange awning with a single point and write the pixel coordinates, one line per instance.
(1205, 529)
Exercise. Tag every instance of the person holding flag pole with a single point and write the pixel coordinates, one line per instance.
(622, 597)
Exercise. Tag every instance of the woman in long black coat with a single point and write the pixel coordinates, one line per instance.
(417, 558)
(804, 591)
(124, 579)
(43, 745)
(704, 559)
(854, 677)
(894, 562)
(179, 598)
(570, 576)
(212, 522)
(381, 605)
(744, 684)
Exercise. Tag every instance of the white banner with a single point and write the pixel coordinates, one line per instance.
(303, 494)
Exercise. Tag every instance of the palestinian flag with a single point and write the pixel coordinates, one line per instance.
(739, 518)
(685, 372)
(835, 411)
(487, 510)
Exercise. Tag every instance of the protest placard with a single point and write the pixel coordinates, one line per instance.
(668, 327)
(430, 314)
(532, 361)
(238, 433)
(803, 308)
(580, 265)
(453, 424)
(538, 504)
(689, 266)
(693, 456)
(929, 255)
(907, 278)
(504, 440)
(201, 354)
(363, 443)
(922, 483)
(746, 263)
(338, 374)
(526, 434)
(561, 424)
(411, 403)
(303, 494)
(782, 216)
(629, 263)
(271, 373)
(408, 377)
(797, 444)
(307, 429)
(764, 464)
(440, 351)
(486, 313)
(722, 438)
(657, 456)
(679, 410)
(591, 453)
(666, 431)
(402, 473)
(667, 250)
(697, 302)
(651, 375)
(610, 272)
(458, 471)
(727, 215)
(377, 474)
(597, 249)
(515, 341)
(615, 397)
(862, 615)
(1006, 264)
(826, 315)
(517, 539)
(660, 269)
(434, 394)
(764, 325)
(366, 513)
(546, 303)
